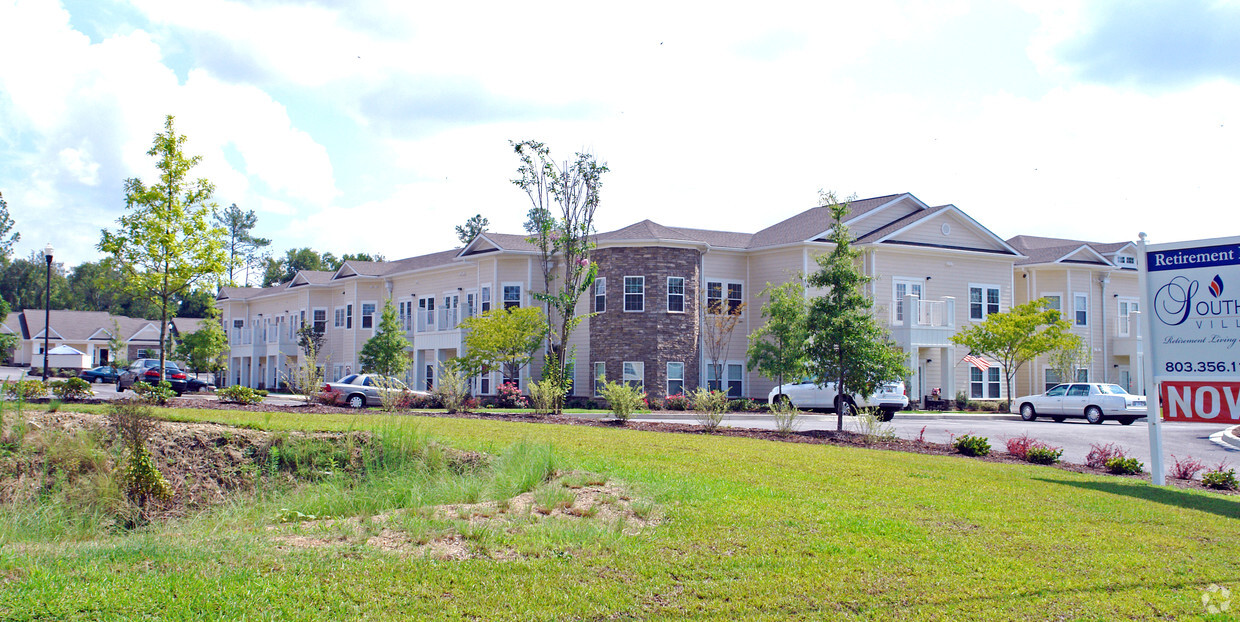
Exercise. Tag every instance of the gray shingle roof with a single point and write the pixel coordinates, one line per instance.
(814, 221)
(650, 230)
(80, 325)
(1048, 250)
(422, 261)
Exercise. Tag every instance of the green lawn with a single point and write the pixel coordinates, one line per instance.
(751, 530)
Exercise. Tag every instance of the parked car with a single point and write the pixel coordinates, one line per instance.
(363, 389)
(889, 397)
(103, 373)
(1094, 401)
(194, 385)
(147, 370)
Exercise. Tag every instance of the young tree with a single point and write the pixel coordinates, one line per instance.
(204, 348)
(503, 337)
(564, 197)
(386, 353)
(1018, 336)
(310, 339)
(164, 244)
(721, 320)
(845, 344)
(6, 240)
(777, 348)
(244, 248)
(1072, 355)
(8, 341)
(472, 227)
(118, 348)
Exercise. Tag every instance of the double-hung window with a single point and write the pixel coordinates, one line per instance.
(512, 296)
(724, 297)
(983, 300)
(600, 294)
(339, 323)
(675, 294)
(485, 298)
(320, 320)
(675, 378)
(635, 373)
(600, 377)
(634, 293)
(348, 316)
(984, 384)
(1081, 309)
(368, 315)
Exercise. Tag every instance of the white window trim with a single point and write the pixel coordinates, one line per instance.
(985, 382)
(1123, 323)
(600, 290)
(683, 293)
(316, 310)
(641, 372)
(374, 317)
(667, 382)
(338, 317)
(504, 301)
(625, 295)
(899, 300)
(969, 300)
(1058, 295)
(1075, 297)
(723, 292)
(490, 296)
(594, 381)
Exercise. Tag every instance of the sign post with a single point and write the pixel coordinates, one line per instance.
(1190, 295)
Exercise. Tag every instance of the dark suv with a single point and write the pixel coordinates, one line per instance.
(147, 370)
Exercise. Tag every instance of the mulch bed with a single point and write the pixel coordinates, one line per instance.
(814, 437)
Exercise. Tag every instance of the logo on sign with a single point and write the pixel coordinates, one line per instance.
(1176, 302)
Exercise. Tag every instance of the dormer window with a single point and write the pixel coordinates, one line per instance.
(1126, 260)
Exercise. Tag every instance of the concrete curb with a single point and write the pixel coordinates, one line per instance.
(1228, 437)
(665, 416)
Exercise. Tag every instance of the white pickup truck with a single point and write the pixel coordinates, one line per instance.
(889, 397)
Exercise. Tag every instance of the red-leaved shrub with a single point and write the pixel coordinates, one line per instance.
(1019, 446)
(1187, 468)
(1099, 454)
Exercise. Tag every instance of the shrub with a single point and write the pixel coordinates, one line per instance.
(1041, 453)
(873, 428)
(1187, 468)
(743, 405)
(971, 445)
(1123, 466)
(1019, 446)
(962, 400)
(452, 390)
(623, 398)
(261, 393)
(237, 394)
(543, 395)
(1099, 454)
(710, 407)
(509, 396)
(676, 402)
(26, 389)
(134, 425)
(71, 389)
(785, 415)
(1220, 478)
(155, 395)
(330, 397)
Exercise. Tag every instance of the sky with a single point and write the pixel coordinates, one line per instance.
(379, 126)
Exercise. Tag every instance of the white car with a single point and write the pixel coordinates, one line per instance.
(889, 397)
(1094, 401)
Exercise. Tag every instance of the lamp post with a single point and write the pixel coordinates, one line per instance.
(47, 307)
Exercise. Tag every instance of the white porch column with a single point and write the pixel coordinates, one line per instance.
(914, 380)
(947, 361)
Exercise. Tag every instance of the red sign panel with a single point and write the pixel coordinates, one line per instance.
(1200, 401)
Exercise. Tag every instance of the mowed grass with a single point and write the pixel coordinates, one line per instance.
(750, 530)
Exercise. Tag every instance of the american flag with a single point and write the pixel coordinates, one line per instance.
(977, 362)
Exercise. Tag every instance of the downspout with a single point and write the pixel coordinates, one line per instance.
(1102, 286)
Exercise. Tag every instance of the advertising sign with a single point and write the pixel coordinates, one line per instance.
(1192, 290)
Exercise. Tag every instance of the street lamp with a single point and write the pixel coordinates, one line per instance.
(47, 307)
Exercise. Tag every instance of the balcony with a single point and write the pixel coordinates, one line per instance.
(927, 323)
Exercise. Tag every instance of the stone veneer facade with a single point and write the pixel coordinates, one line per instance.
(653, 336)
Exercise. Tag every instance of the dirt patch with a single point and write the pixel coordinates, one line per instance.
(602, 503)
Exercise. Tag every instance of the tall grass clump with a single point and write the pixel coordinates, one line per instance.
(872, 427)
(710, 407)
(521, 468)
(785, 415)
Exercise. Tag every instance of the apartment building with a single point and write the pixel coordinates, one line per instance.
(88, 332)
(933, 269)
(1095, 287)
